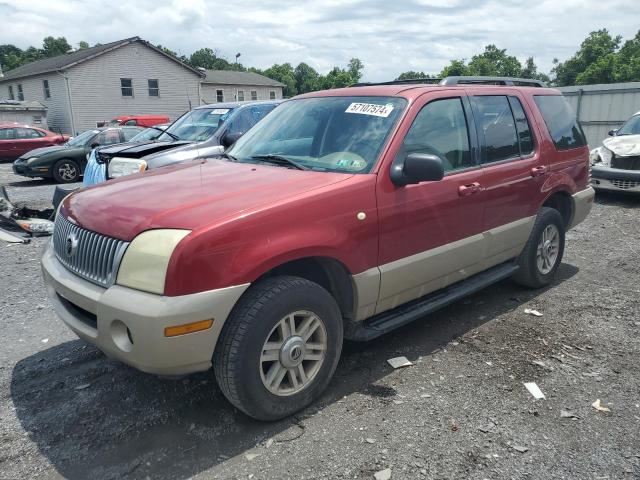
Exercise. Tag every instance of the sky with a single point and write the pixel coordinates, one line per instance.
(388, 36)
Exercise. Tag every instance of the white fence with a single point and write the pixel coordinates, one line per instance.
(603, 107)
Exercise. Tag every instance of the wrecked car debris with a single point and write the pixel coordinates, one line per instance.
(534, 390)
(34, 222)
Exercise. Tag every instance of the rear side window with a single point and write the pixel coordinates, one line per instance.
(497, 124)
(7, 133)
(522, 127)
(440, 128)
(561, 122)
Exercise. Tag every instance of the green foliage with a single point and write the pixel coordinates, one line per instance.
(211, 60)
(82, 45)
(413, 75)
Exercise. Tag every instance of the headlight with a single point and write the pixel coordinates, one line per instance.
(144, 265)
(120, 167)
(32, 159)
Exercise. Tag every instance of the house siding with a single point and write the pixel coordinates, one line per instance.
(95, 86)
(57, 105)
(230, 91)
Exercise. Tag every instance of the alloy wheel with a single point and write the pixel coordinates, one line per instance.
(548, 248)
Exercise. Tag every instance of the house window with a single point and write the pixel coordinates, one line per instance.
(37, 120)
(20, 92)
(126, 86)
(11, 95)
(154, 88)
(254, 95)
(219, 96)
(241, 95)
(272, 95)
(45, 88)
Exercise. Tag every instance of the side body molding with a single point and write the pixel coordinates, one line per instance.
(385, 287)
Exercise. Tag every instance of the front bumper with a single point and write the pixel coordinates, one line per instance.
(615, 179)
(128, 324)
(26, 171)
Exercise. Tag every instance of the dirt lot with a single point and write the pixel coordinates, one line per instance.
(460, 412)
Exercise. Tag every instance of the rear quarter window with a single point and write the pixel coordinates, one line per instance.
(561, 122)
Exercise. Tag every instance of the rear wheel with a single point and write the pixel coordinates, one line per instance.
(66, 171)
(542, 255)
(279, 347)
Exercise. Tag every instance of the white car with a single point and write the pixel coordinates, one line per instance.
(615, 165)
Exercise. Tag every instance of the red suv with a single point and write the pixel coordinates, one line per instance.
(343, 214)
(17, 139)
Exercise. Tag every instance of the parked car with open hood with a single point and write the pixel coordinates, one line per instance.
(17, 139)
(66, 163)
(615, 165)
(343, 214)
(205, 130)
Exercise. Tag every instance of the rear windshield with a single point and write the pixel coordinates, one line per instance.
(561, 122)
(337, 134)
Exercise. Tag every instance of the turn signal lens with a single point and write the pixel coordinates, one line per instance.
(188, 328)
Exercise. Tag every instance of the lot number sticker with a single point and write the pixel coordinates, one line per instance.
(219, 111)
(370, 109)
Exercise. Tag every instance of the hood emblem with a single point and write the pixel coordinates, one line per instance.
(71, 245)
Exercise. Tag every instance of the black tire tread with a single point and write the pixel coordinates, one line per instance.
(227, 352)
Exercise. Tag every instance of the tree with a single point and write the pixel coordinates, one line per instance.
(211, 60)
(52, 47)
(494, 62)
(355, 68)
(413, 75)
(593, 50)
(283, 73)
(306, 77)
(82, 45)
(455, 69)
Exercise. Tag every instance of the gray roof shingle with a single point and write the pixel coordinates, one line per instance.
(230, 77)
(52, 64)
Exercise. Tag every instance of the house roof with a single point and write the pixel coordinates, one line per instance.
(60, 62)
(231, 77)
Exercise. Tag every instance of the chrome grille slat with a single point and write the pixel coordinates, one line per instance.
(97, 256)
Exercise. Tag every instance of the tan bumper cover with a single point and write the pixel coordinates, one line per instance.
(128, 324)
(582, 204)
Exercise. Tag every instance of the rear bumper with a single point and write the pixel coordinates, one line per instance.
(615, 179)
(128, 324)
(582, 204)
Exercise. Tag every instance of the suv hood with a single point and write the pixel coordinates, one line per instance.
(188, 196)
(623, 145)
(139, 150)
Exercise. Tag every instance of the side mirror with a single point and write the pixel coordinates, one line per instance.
(229, 139)
(612, 133)
(416, 168)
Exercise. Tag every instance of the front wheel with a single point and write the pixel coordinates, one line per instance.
(66, 171)
(279, 347)
(542, 255)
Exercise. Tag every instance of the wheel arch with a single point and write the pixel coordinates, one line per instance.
(329, 273)
(561, 201)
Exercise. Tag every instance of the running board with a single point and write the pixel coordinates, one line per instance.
(385, 322)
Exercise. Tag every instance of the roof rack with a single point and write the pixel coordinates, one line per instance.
(409, 81)
(509, 81)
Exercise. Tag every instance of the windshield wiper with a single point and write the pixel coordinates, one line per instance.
(175, 137)
(280, 160)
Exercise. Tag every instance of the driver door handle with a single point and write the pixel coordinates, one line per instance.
(537, 171)
(465, 190)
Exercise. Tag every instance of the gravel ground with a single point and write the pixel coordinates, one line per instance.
(461, 411)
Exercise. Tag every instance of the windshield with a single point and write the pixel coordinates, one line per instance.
(113, 123)
(146, 135)
(197, 125)
(630, 127)
(82, 139)
(337, 134)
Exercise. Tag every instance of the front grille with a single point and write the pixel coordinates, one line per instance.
(625, 184)
(625, 163)
(90, 255)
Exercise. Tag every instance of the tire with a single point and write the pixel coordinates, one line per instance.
(531, 273)
(243, 365)
(66, 171)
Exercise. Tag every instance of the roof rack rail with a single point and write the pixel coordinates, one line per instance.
(408, 81)
(510, 81)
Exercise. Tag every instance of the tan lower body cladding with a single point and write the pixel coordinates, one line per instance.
(390, 285)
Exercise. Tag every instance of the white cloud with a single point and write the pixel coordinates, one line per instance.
(389, 37)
